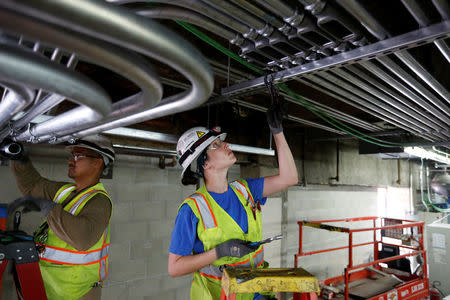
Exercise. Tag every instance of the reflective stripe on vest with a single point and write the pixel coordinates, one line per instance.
(62, 256)
(74, 207)
(208, 218)
(63, 193)
(243, 190)
(215, 272)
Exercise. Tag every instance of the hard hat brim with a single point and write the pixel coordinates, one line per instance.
(186, 164)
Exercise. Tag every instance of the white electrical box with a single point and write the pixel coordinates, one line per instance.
(438, 255)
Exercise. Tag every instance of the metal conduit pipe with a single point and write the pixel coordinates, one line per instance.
(406, 77)
(270, 37)
(304, 24)
(25, 67)
(117, 59)
(47, 130)
(124, 28)
(336, 91)
(41, 107)
(290, 117)
(392, 93)
(414, 9)
(367, 97)
(371, 67)
(263, 15)
(420, 71)
(358, 102)
(336, 114)
(261, 27)
(16, 99)
(385, 97)
(364, 17)
(404, 56)
(188, 16)
(443, 7)
(325, 13)
(240, 39)
(49, 101)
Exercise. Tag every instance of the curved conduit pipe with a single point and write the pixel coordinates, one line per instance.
(303, 23)
(25, 67)
(192, 17)
(285, 9)
(124, 28)
(373, 26)
(16, 99)
(225, 19)
(122, 61)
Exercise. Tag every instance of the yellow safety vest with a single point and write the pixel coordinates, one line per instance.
(69, 273)
(214, 227)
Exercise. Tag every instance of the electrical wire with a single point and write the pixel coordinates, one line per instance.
(302, 101)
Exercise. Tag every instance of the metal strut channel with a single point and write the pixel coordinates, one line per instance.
(411, 39)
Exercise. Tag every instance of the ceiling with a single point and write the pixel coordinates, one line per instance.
(372, 70)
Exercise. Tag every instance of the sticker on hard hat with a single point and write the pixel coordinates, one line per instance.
(200, 134)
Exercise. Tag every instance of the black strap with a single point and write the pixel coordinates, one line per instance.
(195, 145)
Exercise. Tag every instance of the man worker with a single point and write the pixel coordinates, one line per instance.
(73, 240)
(215, 225)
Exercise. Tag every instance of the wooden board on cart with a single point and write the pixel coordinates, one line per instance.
(235, 281)
(372, 287)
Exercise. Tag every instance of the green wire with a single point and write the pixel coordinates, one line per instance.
(437, 208)
(305, 103)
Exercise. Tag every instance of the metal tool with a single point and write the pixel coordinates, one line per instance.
(268, 240)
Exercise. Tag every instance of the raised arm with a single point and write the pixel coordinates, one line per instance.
(287, 175)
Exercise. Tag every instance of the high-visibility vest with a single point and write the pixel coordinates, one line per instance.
(69, 273)
(214, 227)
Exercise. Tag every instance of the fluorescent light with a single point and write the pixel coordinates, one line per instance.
(422, 153)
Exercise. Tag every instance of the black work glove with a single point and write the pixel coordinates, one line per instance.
(32, 204)
(275, 115)
(234, 248)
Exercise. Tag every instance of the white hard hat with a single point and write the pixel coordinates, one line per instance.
(192, 143)
(99, 144)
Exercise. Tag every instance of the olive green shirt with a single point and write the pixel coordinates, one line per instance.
(81, 231)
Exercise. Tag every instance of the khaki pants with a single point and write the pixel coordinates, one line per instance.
(94, 294)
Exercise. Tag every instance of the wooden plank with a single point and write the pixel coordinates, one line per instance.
(235, 281)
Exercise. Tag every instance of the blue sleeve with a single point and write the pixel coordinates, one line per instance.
(256, 187)
(184, 232)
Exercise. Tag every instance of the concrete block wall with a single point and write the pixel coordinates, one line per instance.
(318, 203)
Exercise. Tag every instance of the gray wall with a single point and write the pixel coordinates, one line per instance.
(146, 199)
